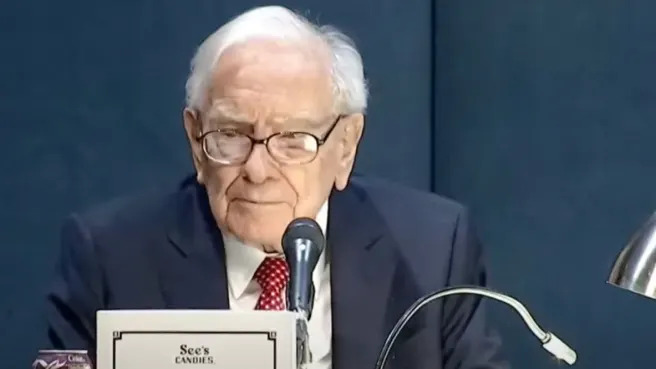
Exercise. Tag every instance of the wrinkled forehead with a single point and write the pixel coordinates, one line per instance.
(225, 109)
(271, 80)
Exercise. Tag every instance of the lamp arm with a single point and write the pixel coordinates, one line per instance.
(550, 341)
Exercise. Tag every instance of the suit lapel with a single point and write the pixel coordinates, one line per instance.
(193, 272)
(363, 263)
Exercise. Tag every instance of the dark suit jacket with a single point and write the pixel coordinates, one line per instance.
(387, 246)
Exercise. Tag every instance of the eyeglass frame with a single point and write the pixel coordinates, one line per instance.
(265, 141)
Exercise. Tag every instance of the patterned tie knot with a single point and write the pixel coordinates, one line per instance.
(272, 276)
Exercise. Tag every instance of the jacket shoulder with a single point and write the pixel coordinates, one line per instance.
(398, 199)
(134, 213)
(424, 228)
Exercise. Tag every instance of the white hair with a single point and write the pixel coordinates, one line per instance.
(349, 85)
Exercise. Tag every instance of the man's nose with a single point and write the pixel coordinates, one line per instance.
(257, 167)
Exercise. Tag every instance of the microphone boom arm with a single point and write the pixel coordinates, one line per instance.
(550, 341)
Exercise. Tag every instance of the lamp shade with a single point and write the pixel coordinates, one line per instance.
(635, 267)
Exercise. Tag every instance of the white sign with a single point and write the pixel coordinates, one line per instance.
(186, 339)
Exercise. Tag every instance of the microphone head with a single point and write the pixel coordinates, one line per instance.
(304, 229)
(302, 243)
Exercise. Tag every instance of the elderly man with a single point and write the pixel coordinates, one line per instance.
(274, 116)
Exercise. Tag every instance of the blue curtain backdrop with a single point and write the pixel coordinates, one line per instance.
(537, 114)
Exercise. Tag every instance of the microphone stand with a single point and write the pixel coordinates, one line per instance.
(550, 341)
(303, 354)
(303, 313)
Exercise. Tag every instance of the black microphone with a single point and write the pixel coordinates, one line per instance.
(303, 242)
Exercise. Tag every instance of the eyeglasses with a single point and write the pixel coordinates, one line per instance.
(231, 147)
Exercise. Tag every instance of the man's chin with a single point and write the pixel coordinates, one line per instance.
(265, 235)
(258, 224)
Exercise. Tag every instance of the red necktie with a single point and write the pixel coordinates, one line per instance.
(272, 275)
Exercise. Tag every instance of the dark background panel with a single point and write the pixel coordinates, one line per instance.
(92, 97)
(543, 123)
(545, 127)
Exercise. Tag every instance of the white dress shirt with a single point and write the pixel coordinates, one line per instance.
(242, 261)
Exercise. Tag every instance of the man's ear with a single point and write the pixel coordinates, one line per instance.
(193, 127)
(353, 128)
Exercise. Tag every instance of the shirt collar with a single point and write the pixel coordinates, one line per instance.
(242, 259)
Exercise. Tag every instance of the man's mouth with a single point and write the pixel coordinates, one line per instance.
(258, 202)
